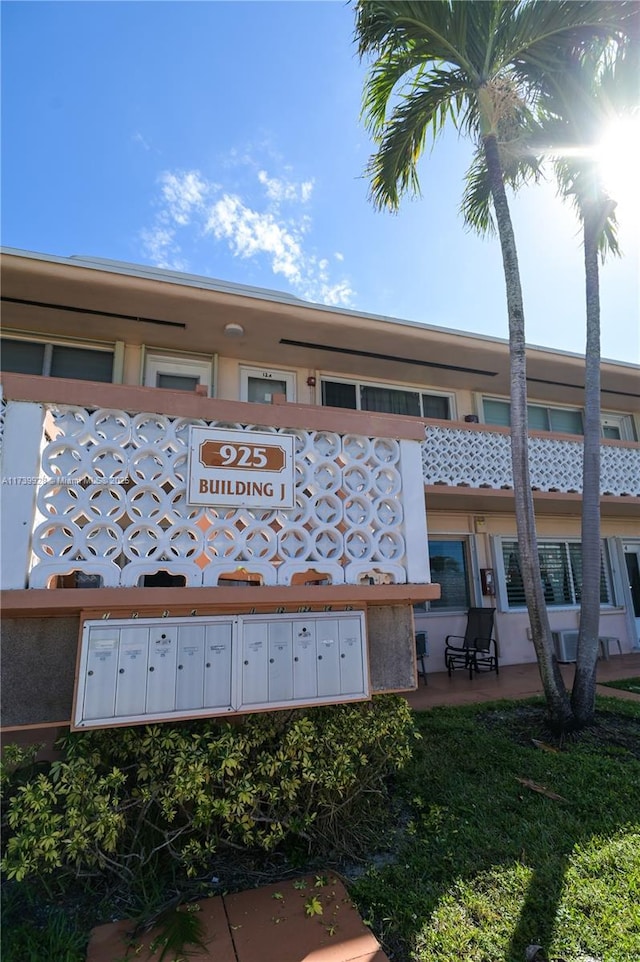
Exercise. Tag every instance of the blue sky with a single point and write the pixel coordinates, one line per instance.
(223, 138)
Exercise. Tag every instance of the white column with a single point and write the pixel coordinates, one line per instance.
(415, 514)
(23, 427)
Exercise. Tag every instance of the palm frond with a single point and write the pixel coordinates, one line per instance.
(476, 206)
(432, 58)
(418, 114)
(439, 29)
(387, 80)
(541, 31)
(597, 87)
(580, 185)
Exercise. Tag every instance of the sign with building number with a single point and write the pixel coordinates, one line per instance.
(240, 469)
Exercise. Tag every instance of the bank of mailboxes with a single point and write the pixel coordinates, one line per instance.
(160, 668)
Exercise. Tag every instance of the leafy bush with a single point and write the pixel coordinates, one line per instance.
(123, 800)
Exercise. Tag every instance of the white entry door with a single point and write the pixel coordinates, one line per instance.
(260, 384)
(177, 373)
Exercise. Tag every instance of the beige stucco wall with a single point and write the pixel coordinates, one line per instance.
(511, 627)
(228, 387)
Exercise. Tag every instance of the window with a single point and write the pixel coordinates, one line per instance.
(371, 397)
(561, 568)
(177, 372)
(57, 360)
(259, 385)
(541, 418)
(450, 568)
(617, 427)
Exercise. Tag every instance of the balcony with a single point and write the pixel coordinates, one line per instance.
(474, 456)
(94, 486)
(94, 492)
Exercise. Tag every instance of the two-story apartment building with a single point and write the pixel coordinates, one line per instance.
(219, 499)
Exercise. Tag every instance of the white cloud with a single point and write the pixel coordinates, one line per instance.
(182, 192)
(280, 189)
(338, 295)
(249, 230)
(160, 246)
(319, 287)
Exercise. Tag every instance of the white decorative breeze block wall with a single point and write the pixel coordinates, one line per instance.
(482, 459)
(130, 517)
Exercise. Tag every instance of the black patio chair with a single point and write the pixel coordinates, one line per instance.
(478, 651)
(422, 653)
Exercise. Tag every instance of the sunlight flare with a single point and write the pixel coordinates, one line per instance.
(619, 158)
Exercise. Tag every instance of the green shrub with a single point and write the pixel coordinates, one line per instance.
(125, 799)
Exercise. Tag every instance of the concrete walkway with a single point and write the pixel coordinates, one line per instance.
(514, 681)
(311, 919)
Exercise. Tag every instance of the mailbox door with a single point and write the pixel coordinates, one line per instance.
(255, 689)
(101, 673)
(328, 656)
(131, 681)
(305, 670)
(190, 670)
(280, 661)
(161, 676)
(217, 665)
(351, 668)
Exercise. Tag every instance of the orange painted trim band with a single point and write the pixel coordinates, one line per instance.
(151, 400)
(57, 602)
(432, 490)
(28, 728)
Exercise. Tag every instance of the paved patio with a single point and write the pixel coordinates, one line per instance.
(272, 923)
(514, 681)
(269, 924)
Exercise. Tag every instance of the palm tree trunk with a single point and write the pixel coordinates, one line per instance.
(558, 705)
(583, 696)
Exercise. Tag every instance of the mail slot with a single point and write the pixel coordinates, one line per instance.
(218, 664)
(131, 680)
(99, 679)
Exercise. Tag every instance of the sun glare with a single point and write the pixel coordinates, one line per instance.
(619, 156)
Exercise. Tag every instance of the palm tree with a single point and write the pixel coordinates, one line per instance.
(573, 110)
(593, 90)
(482, 65)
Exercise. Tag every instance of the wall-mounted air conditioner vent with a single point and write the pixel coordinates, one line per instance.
(566, 644)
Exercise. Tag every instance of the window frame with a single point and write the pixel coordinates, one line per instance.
(569, 574)
(114, 348)
(541, 406)
(469, 551)
(156, 361)
(624, 422)
(359, 383)
(247, 371)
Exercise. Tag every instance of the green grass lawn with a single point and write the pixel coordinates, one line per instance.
(490, 865)
(626, 684)
(481, 864)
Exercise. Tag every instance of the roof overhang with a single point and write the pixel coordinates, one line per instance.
(108, 301)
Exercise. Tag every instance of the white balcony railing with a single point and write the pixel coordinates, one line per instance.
(481, 458)
(101, 490)
(110, 500)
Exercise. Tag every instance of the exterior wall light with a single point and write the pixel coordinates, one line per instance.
(234, 330)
